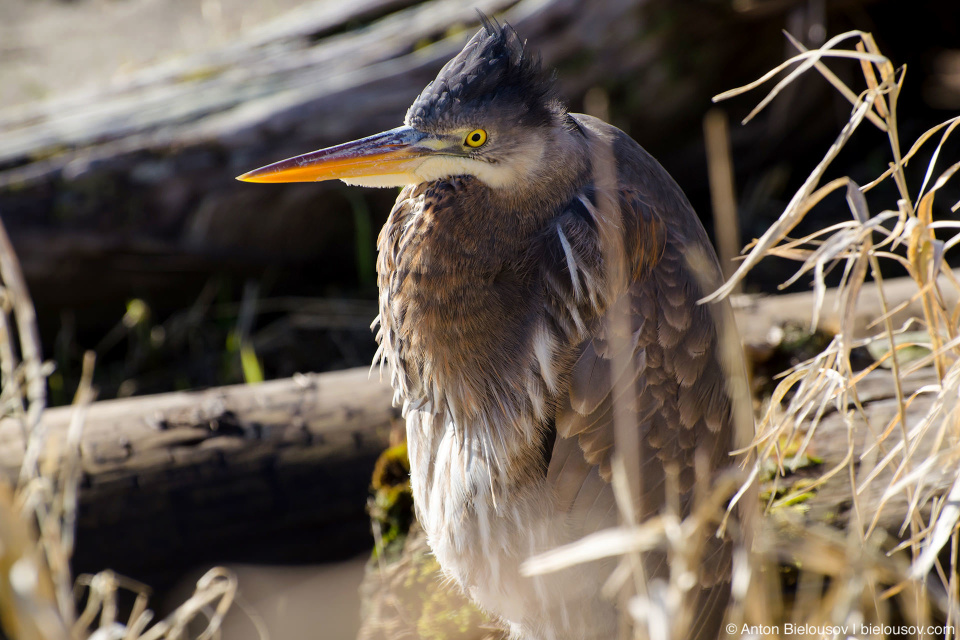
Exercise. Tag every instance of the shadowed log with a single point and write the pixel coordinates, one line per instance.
(275, 472)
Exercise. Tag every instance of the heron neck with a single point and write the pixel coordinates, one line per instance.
(536, 196)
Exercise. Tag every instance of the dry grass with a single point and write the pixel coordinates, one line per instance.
(38, 596)
(854, 579)
(865, 568)
(828, 581)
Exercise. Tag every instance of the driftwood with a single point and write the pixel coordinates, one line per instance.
(833, 502)
(276, 472)
(143, 165)
(147, 163)
(757, 320)
(757, 315)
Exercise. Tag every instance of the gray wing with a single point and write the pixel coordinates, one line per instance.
(680, 401)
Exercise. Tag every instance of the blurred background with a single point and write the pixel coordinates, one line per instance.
(124, 122)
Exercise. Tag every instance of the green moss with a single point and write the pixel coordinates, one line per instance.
(200, 73)
(444, 616)
(431, 603)
(391, 505)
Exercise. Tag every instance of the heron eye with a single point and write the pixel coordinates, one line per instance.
(476, 138)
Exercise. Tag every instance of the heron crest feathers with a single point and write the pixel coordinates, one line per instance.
(494, 70)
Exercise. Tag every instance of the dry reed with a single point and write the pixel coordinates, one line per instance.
(38, 596)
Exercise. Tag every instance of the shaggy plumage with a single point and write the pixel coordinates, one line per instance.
(496, 324)
(539, 278)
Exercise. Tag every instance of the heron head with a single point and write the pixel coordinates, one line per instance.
(492, 113)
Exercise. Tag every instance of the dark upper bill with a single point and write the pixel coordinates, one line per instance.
(390, 157)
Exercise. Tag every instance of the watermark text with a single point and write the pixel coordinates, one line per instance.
(826, 631)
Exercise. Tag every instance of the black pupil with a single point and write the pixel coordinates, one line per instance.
(476, 137)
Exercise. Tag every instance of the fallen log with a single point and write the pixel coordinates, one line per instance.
(276, 472)
(757, 315)
(868, 439)
(146, 161)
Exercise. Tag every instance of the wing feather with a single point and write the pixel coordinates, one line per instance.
(676, 378)
(665, 366)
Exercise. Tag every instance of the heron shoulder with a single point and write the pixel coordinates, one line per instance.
(636, 169)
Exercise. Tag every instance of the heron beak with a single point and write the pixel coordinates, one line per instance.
(390, 157)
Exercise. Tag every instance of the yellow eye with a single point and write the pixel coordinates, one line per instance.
(476, 138)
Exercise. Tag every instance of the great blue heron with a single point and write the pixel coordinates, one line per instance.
(522, 231)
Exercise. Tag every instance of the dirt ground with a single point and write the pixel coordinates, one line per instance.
(319, 601)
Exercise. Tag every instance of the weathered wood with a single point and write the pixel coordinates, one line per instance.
(180, 479)
(148, 159)
(833, 503)
(757, 315)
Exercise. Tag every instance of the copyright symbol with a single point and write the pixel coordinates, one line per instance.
(731, 628)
